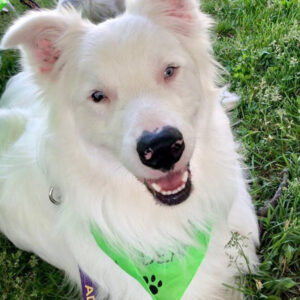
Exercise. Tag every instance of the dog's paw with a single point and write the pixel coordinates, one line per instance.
(153, 284)
(229, 100)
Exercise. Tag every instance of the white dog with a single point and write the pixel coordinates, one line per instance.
(121, 122)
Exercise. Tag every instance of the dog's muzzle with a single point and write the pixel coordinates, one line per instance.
(161, 150)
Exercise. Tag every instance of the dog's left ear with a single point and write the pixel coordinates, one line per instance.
(181, 16)
(191, 26)
(38, 35)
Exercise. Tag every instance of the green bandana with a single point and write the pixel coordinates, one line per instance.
(165, 278)
(3, 3)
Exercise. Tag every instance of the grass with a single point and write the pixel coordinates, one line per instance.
(258, 43)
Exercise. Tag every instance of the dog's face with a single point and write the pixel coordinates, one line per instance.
(139, 98)
(131, 85)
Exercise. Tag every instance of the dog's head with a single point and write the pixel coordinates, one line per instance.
(135, 85)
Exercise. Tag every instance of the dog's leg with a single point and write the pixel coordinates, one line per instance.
(12, 125)
(97, 10)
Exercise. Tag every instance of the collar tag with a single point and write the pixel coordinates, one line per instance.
(88, 287)
(54, 195)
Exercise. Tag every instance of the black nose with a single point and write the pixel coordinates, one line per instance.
(161, 150)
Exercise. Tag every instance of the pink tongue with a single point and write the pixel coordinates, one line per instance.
(170, 182)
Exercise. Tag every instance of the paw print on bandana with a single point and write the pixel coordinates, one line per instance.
(153, 285)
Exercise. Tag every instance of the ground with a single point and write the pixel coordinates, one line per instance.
(257, 41)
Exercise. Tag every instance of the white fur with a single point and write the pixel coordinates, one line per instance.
(58, 137)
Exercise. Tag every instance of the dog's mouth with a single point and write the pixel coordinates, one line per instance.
(172, 189)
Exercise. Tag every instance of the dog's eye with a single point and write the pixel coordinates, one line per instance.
(98, 96)
(169, 72)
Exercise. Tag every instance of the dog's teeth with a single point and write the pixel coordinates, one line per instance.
(156, 187)
(168, 193)
(185, 176)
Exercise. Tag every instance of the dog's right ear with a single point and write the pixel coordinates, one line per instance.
(183, 17)
(38, 34)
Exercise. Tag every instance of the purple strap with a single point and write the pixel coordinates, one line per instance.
(88, 287)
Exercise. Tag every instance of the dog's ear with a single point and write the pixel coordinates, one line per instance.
(181, 16)
(191, 26)
(38, 35)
